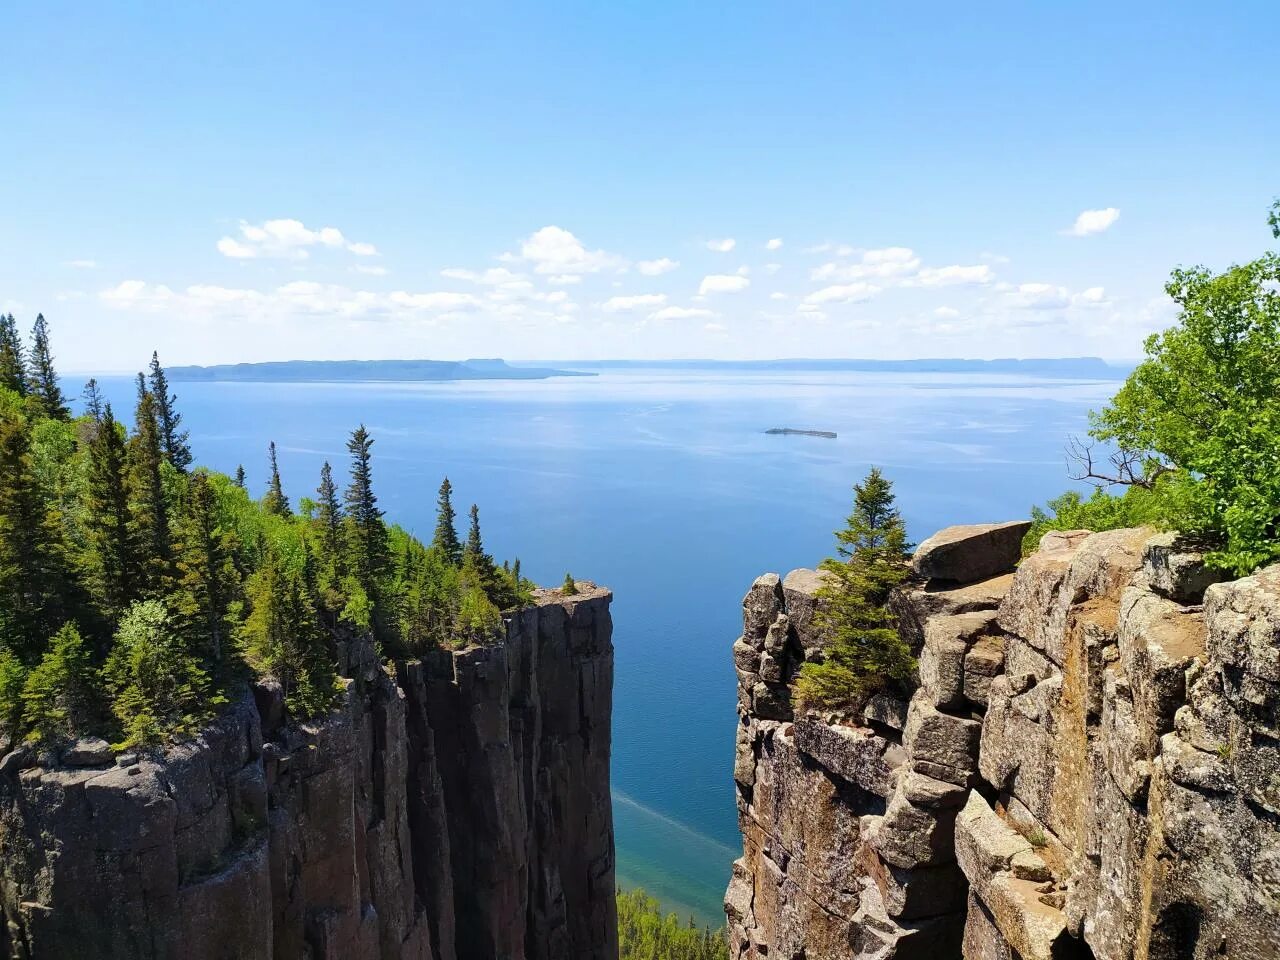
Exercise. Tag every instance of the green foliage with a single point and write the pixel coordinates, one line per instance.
(570, 586)
(446, 534)
(157, 686)
(1101, 510)
(178, 583)
(58, 696)
(42, 378)
(645, 933)
(284, 640)
(862, 652)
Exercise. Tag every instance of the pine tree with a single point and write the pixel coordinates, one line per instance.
(275, 501)
(367, 534)
(150, 512)
(58, 697)
(13, 367)
(285, 641)
(208, 582)
(33, 583)
(114, 571)
(446, 535)
(863, 652)
(92, 397)
(329, 515)
(481, 566)
(13, 677)
(42, 378)
(175, 441)
(240, 476)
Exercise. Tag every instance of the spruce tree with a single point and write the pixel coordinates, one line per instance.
(59, 694)
(33, 585)
(208, 582)
(446, 535)
(92, 397)
(150, 512)
(275, 501)
(42, 378)
(240, 476)
(114, 569)
(863, 651)
(174, 440)
(329, 515)
(13, 368)
(481, 566)
(367, 534)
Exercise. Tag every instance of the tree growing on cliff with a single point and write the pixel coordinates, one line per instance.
(174, 439)
(58, 696)
(275, 501)
(863, 652)
(1196, 427)
(112, 558)
(13, 367)
(43, 379)
(149, 508)
(446, 534)
(366, 533)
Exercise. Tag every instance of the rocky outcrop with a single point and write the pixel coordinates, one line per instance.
(1090, 767)
(456, 810)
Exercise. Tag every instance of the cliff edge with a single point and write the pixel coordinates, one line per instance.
(1088, 768)
(456, 808)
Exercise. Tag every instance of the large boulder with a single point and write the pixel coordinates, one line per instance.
(970, 552)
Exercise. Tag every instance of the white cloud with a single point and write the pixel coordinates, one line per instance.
(655, 268)
(723, 283)
(1092, 297)
(372, 271)
(843, 293)
(946, 313)
(1040, 296)
(1093, 221)
(885, 263)
(288, 240)
(774, 244)
(953, 275)
(554, 250)
(492, 277)
(682, 313)
(83, 264)
(623, 304)
(722, 246)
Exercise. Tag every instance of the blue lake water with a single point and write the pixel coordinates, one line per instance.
(663, 486)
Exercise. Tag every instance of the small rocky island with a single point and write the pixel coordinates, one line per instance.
(792, 432)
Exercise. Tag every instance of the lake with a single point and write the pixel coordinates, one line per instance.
(663, 486)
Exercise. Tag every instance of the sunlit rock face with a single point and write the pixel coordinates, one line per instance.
(456, 808)
(1089, 765)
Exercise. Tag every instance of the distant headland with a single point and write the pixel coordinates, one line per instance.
(792, 432)
(321, 371)
(1070, 368)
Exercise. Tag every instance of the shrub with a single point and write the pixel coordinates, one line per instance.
(58, 696)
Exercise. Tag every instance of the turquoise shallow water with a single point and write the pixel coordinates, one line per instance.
(663, 486)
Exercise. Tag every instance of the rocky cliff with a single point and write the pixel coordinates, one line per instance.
(456, 809)
(1089, 767)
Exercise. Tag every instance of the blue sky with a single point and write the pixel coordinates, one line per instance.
(247, 181)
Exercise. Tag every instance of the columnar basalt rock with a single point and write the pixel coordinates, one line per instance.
(1089, 768)
(456, 811)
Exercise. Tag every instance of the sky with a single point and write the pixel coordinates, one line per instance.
(584, 180)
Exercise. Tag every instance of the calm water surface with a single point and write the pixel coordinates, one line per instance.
(663, 486)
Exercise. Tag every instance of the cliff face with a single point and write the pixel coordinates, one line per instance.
(1090, 766)
(457, 811)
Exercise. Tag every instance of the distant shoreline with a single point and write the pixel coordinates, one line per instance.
(793, 432)
(378, 371)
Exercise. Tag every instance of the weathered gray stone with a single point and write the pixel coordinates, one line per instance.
(88, 752)
(856, 755)
(972, 552)
(940, 738)
(1175, 568)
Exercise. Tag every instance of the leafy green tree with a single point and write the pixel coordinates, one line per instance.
(275, 501)
(863, 652)
(478, 621)
(112, 560)
(1198, 421)
(208, 582)
(367, 535)
(34, 592)
(148, 507)
(58, 696)
(284, 639)
(158, 689)
(13, 367)
(13, 677)
(174, 440)
(42, 378)
(646, 933)
(446, 534)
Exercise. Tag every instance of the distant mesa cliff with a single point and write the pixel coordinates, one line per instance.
(458, 810)
(793, 432)
(377, 370)
(1089, 766)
